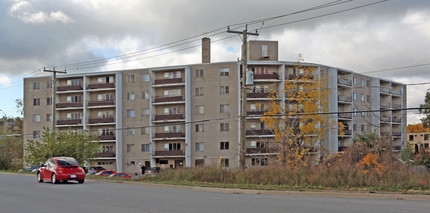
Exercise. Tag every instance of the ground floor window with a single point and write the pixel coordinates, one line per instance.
(259, 162)
(199, 162)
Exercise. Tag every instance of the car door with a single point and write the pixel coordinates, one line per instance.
(50, 169)
(43, 170)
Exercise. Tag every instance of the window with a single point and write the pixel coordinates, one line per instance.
(200, 146)
(362, 98)
(172, 146)
(130, 147)
(105, 97)
(199, 162)
(362, 128)
(172, 110)
(199, 91)
(224, 71)
(264, 50)
(131, 131)
(36, 134)
(145, 78)
(107, 148)
(164, 162)
(130, 113)
(224, 145)
(368, 98)
(261, 70)
(355, 96)
(105, 114)
(74, 99)
(36, 101)
(354, 127)
(36, 85)
(199, 73)
(355, 111)
(105, 79)
(362, 82)
(36, 118)
(145, 112)
(73, 116)
(48, 117)
(74, 82)
(411, 138)
(172, 128)
(224, 108)
(48, 101)
(426, 137)
(258, 144)
(172, 92)
(224, 163)
(354, 80)
(144, 130)
(130, 78)
(145, 95)
(259, 162)
(368, 83)
(224, 90)
(144, 148)
(224, 127)
(200, 110)
(130, 96)
(49, 84)
(174, 74)
(200, 127)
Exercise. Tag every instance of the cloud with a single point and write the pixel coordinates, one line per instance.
(4, 81)
(18, 11)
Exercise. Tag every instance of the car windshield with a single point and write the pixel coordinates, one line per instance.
(98, 173)
(67, 162)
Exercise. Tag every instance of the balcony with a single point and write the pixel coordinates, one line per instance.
(396, 92)
(169, 153)
(385, 118)
(260, 132)
(100, 103)
(259, 95)
(100, 120)
(169, 135)
(397, 119)
(344, 98)
(261, 150)
(300, 77)
(169, 117)
(69, 122)
(273, 76)
(385, 90)
(397, 106)
(101, 86)
(345, 82)
(105, 155)
(169, 99)
(69, 88)
(69, 104)
(397, 134)
(168, 81)
(385, 104)
(347, 132)
(255, 113)
(345, 115)
(107, 137)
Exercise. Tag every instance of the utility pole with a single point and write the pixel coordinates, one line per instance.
(54, 92)
(243, 88)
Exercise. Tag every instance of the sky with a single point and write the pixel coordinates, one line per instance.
(384, 35)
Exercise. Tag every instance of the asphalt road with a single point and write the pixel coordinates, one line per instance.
(21, 194)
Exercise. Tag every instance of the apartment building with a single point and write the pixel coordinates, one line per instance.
(185, 116)
(419, 141)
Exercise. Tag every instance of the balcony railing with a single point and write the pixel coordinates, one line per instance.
(168, 99)
(397, 106)
(347, 132)
(300, 77)
(255, 112)
(169, 117)
(69, 122)
(101, 86)
(397, 134)
(69, 104)
(260, 132)
(168, 81)
(169, 153)
(396, 92)
(344, 98)
(107, 137)
(258, 95)
(385, 118)
(261, 150)
(397, 119)
(386, 105)
(105, 155)
(346, 82)
(385, 90)
(101, 103)
(100, 120)
(274, 76)
(169, 135)
(345, 115)
(67, 88)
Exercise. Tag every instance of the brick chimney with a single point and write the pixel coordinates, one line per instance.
(206, 50)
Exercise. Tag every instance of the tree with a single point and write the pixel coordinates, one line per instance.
(10, 153)
(415, 128)
(298, 125)
(54, 144)
(426, 112)
(20, 106)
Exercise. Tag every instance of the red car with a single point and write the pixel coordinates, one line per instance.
(62, 169)
(105, 173)
(120, 175)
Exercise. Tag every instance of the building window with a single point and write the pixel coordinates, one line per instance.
(36, 118)
(171, 75)
(144, 148)
(172, 92)
(354, 96)
(362, 82)
(48, 101)
(145, 95)
(264, 50)
(145, 112)
(130, 113)
(36, 101)
(199, 162)
(224, 108)
(145, 78)
(258, 144)
(48, 117)
(426, 137)
(74, 82)
(105, 97)
(224, 145)
(130, 96)
(411, 138)
(259, 162)
(49, 84)
(200, 110)
(362, 128)
(362, 98)
(73, 116)
(74, 99)
(36, 134)
(130, 147)
(36, 85)
(131, 131)
(105, 79)
(224, 71)
(130, 78)
(200, 146)
(354, 80)
(172, 128)
(368, 83)
(355, 112)
(224, 163)
(354, 127)
(172, 146)
(199, 91)
(224, 127)
(200, 127)
(199, 73)
(224, 90)
(144, 130)
(368, 98)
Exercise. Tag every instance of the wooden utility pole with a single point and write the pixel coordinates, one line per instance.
(243, 88)
(54, 92)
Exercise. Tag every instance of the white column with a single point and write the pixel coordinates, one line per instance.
(118, 121)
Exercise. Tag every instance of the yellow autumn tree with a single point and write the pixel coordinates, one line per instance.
(298, 123)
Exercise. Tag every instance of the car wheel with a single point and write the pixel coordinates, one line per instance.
(39, 177)
(81, 181)
(54, 179)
